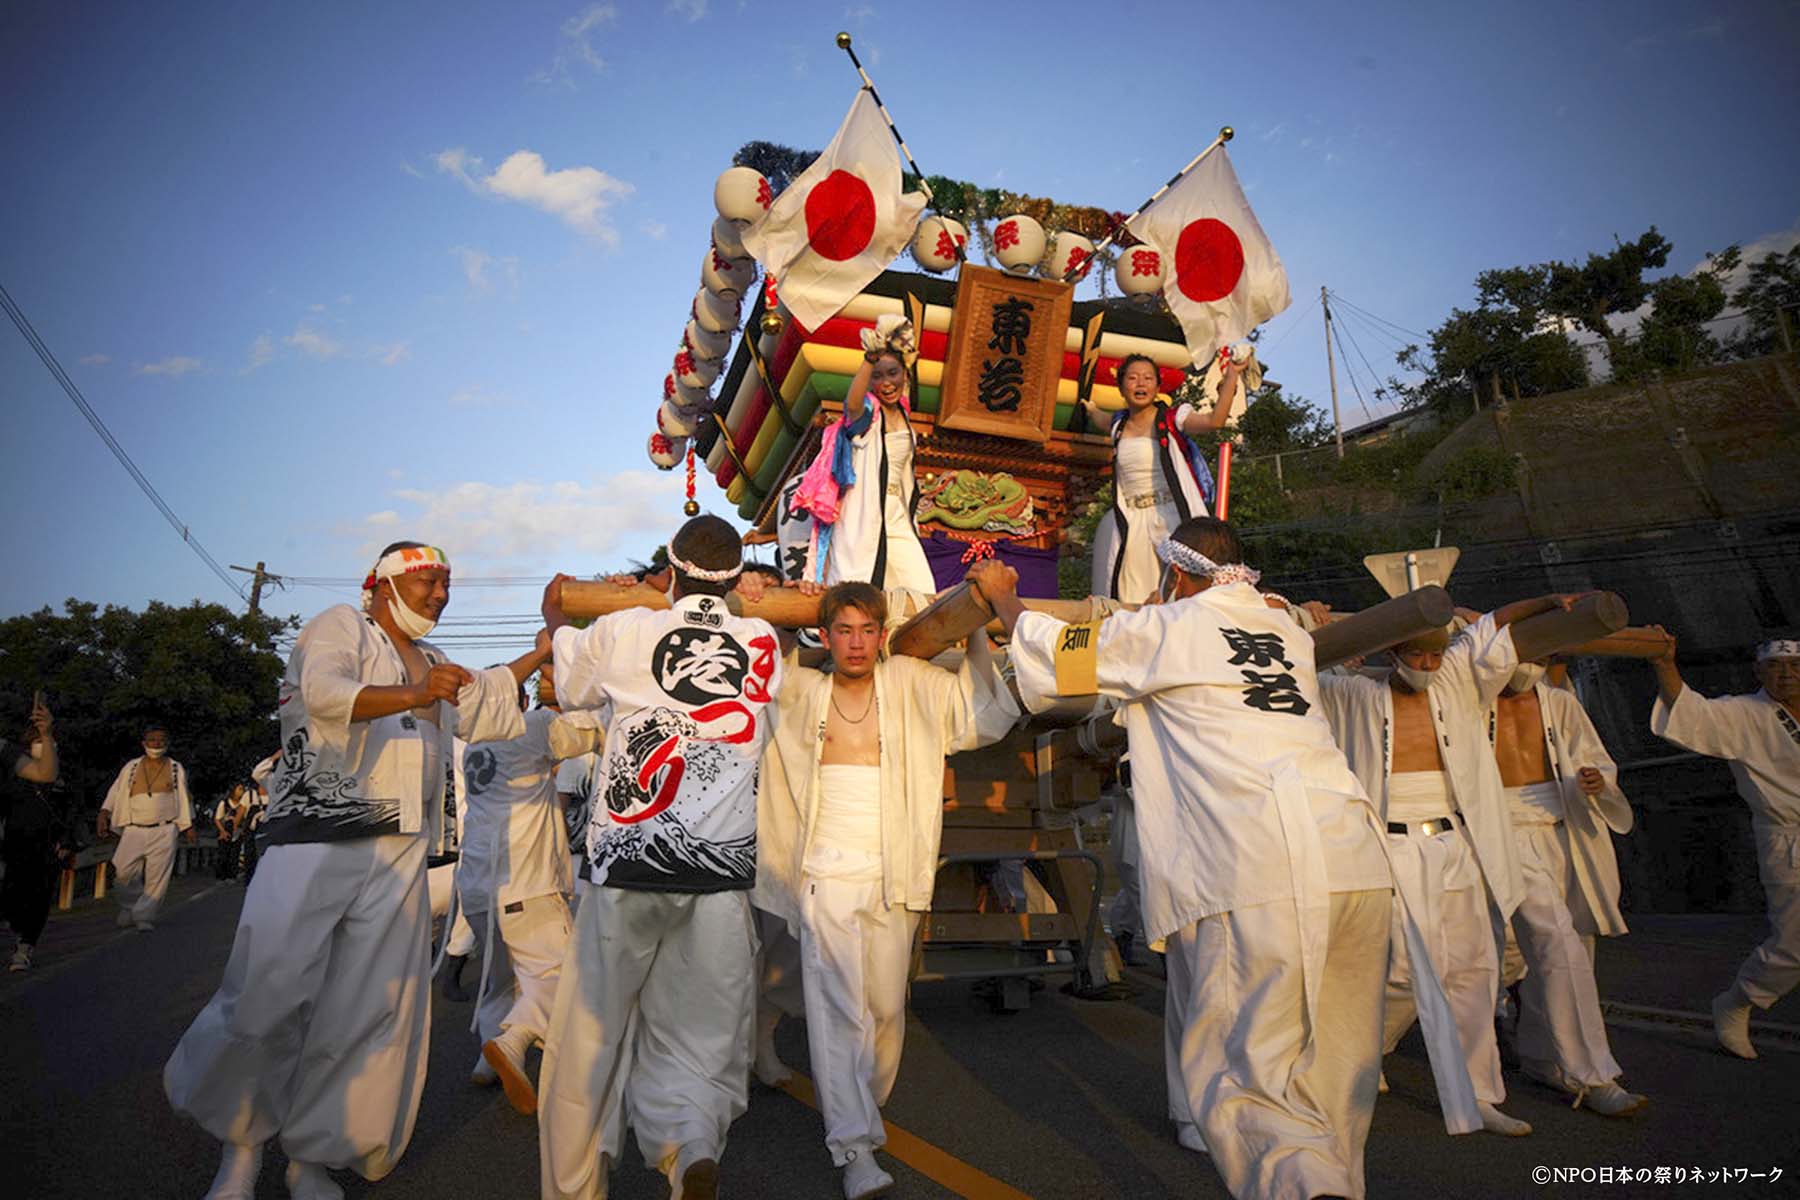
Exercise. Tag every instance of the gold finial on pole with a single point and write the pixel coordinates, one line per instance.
(1226, 133)
(843, 39)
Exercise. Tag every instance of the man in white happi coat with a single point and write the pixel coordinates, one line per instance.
(1563, 794)
(1417, 741)
(513, 880)
(849, 818)
(652, 1022)
(318, 1033)
(1760, 735)
(148, 806)
(1263, 869)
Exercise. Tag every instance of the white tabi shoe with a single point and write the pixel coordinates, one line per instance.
(21, 959)
(310, 1181)
(863, 1176)
(506, 1054)
(238, 1168)
(1731, 1022)
(482, 1074)
(1610, 1100)
(1188, 1137)
(145, 926)
(1495, 1121)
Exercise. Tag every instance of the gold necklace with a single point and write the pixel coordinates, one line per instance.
(845, 717)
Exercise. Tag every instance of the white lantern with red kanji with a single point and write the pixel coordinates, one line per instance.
(727, 278)
(666, 451)
(1140, 270)
(715, 313)
(704, 342)
(674, 421)
(695, 372)
(1070, 257)
(742, 196)
(728, 239)
(1018, 243)
(688, 396)
(935, 245)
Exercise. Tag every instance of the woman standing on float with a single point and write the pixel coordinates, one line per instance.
(860, 488)
(1159, 480)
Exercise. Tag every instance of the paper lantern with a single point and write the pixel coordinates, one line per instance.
(726, 239)
(742, 196)
(934, 245)
(674, 421)
(727, 278)
(694, 372)
(1018, 243)
(666, 452)
(714, 313)
(688, 396)
(704, 342)
(1069, 252)
(1139, 270)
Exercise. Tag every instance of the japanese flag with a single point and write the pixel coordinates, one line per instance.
(1223, 278)
(841, 222)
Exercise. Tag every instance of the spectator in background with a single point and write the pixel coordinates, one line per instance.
(147, 804)
(33, 845)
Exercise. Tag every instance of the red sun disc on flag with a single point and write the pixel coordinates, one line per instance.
(840, 216)
(1209, 260)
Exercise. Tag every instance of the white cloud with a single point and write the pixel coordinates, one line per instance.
(412, 170)
(655, 230)
(477, 396)
(578, 195)
(95, 360)
(262, 352)
(573, 524)
(173, 366)
(860, 13)
(693, 10)
(311, 341)
(476, 262)
(575, 45)
(391, 354)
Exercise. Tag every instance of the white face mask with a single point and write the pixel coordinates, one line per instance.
(411, 623)
(155, 751)
(1416, 678)
(1525, 677)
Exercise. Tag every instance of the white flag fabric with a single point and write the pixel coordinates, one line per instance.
(841, 222)
(1222, 278)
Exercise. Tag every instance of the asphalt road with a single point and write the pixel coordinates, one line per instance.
(1062, 1100)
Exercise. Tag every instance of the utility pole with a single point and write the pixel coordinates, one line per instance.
(258, 577)
(1331, 370)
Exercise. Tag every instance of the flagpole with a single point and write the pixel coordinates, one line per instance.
(1226, 133)
(843, 41)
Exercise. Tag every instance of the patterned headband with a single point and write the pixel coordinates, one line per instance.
(1190, 560)
(701, 573)
(1779, 648)
(403, 562)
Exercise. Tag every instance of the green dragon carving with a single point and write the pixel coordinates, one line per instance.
(973, 500)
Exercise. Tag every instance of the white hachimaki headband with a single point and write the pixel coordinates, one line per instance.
(1779, 648)
(1184, 556)
(402, 562)
(701, 573)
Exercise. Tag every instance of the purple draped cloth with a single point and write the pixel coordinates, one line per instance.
(1036, 568)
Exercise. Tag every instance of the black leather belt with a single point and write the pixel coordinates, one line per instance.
(1429, 828)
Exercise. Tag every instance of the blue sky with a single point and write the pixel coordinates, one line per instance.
(277, 251)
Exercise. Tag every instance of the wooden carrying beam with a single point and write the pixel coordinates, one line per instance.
(1635, 642)
(1386, 624)
(1594, 616)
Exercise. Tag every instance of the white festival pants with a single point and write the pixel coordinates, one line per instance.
(144, 859)
(1773, 968)
(443, 885)
(651, 1029)
(1559, 1001)
(521, 967)
(1441, 883)
(1284, 1109)
(856, 953)
(1126, 914)
(319, 1032)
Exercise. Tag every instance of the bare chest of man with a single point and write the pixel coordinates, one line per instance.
(153, 776)
(1519, 741)
(1415, 735)
(417, 668)
(851, 742)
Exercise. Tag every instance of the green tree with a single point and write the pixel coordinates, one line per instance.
(1772, 287)
(203, 671)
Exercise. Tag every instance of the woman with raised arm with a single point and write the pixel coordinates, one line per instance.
(1159, 479)
(860, 489)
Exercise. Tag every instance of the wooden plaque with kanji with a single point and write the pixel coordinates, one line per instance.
(1006, 354)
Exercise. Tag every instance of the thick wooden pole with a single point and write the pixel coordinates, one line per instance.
(1635, 642)
(1595, 616)
(1386, 624)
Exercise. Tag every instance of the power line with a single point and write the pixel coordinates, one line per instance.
(112, 443)
(1371, 316)
(1354, 386)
